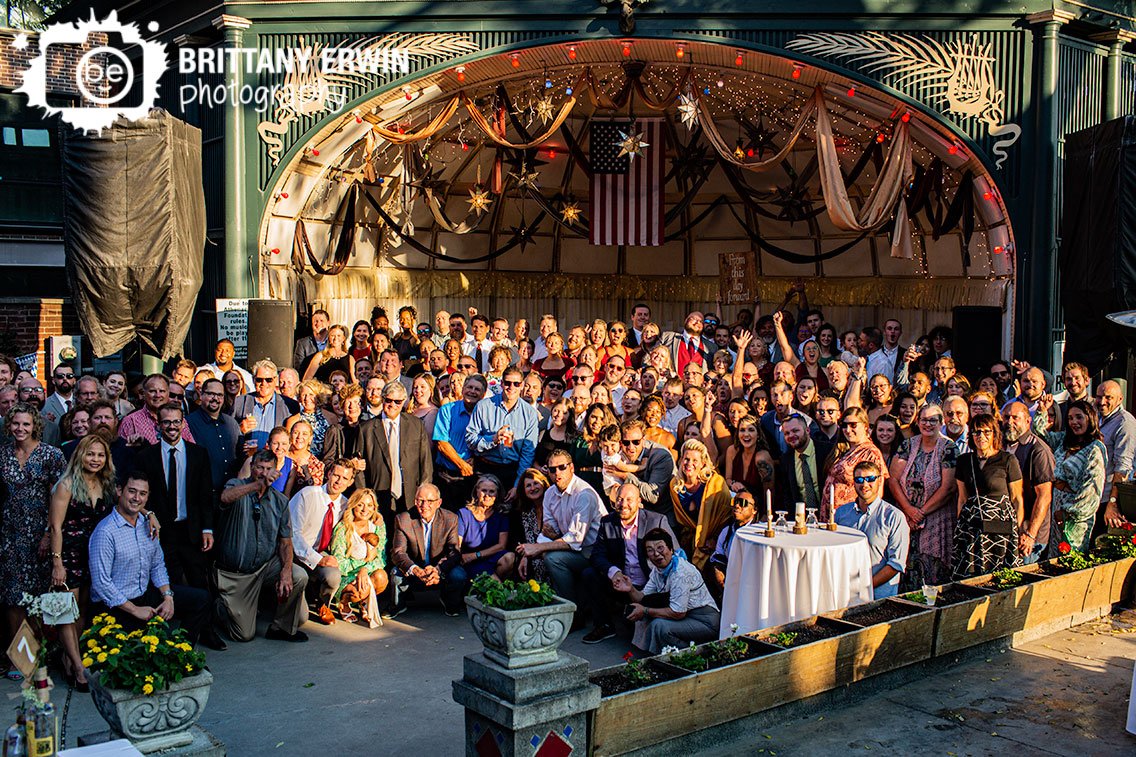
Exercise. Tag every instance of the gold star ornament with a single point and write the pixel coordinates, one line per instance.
(479, 199)
(570, 213)
(543, 110)
(688, 110)
(631, 145)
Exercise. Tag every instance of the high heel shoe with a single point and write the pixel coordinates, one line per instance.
(72, 678)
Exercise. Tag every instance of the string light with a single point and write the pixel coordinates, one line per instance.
(796, 70)
(461, 73)
(880, 138)
(515, 59)
(406, 92)
(568, 91)
(721, 84)
(953, 150)
(548, 83)
(571, 52)
(987, 195)
(852, 91)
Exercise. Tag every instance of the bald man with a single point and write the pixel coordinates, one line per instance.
(426, 551)
(1118, 428)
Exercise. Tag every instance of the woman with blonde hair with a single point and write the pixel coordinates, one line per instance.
(358, 543)
(312, 395)
(856, 448)
(660, 359)
(701, 502)
(307, 468)
(421, 403)
(334, 357)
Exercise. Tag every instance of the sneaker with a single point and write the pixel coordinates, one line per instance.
(598, 634)
(393, 612)
(450, 611)
(277, 634)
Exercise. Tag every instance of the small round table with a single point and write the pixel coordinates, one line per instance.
(770, 582)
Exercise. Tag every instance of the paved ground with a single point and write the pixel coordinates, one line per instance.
(351, 690)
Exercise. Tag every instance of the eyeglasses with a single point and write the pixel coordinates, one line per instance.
(264, 379)
(212, 394)
(932, 421)
(393, 401)
(511, 383)
(617, 330)
(175, 422)
(467, 366)
(580, 379)
(997, 374)
(748, 376)
(32, 390)
(64, 375)
(631, 442)
(558, 468)
(864, 479)
(423, 501)
(231, 382)
(425, 332)
(614, 368)
(982, 432)
(849, 424)
(557, 386)
(176, 396)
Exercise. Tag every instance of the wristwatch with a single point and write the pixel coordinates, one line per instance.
(167, 593)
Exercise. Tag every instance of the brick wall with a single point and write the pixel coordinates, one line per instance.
(60, 76)
(27, 322)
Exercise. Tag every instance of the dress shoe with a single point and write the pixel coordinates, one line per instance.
(213, 640)
(275, 634)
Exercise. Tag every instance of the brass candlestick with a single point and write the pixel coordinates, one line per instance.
(769, 532)
(800, 529)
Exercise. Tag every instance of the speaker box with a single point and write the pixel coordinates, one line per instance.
(271, 324)
(977, 339)
(1097, 259)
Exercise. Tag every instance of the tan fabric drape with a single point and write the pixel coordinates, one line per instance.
(437, 123)
(483, 123)
(896, 174)
(710, 129)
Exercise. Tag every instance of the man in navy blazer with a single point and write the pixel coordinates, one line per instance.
(619, 550)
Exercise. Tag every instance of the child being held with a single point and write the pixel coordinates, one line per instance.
(609, 439)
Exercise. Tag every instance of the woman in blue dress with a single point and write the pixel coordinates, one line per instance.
(483, 530)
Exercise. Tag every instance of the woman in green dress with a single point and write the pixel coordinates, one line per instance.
(359, 543)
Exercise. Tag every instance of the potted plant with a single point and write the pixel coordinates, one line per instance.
(1120, 550)
(520, 623)
(149, 685)
(637, 707)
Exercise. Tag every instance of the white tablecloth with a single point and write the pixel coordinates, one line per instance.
(789, 577)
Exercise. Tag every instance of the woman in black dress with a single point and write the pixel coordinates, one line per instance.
(334, 358)
(560, 434)
(989, 501)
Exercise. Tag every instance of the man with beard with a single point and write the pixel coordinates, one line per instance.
(373, 397)
(781, 398)
(767, 332)
(62, 398)
(437, 364)
(104, 422)
(1004, 379)
(956, 415)
(842, 384)
(222, 363)
(1036, 460)
(8, 396)
(801, 469)
(216, 431)
(1118, 429)
(577, 340)
(458, 332)
(1032, 383)
(919, 388)
(1076, 379)
(689, 346)
(614, 370)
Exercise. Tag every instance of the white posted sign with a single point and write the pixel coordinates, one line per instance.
(232, 324)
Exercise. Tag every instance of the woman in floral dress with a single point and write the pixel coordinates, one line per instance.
(1078, 477)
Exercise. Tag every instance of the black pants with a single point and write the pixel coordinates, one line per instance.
(507, 472)
(452, 586)
(456, 490)
(192, 608)
(185, 562)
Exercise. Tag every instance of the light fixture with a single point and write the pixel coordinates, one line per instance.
(796, 70)
(568, 91)
(852, 91)
(461, 73)
(905, 117)
(739, 59)
(626, 49)
(987, 195)
(515, 59)
(548, 83)
(571, 52)
(880, 138)
(680, 51)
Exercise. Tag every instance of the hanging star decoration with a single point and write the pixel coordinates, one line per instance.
(631, 145)
(739, 153)
(479, 199)
(570, 213)
(543, 109)
(760, 138)
(431, 181)
(523, 234)
(688, 110)
(526, 179)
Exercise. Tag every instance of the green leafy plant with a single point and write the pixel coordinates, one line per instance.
(510, 595)
(1072, 559)
(142, 661)
(727, 651)
(1006, 578)
(635, 671)
(689, 659)
(784, 639)
(1111, 547)
(915, 596)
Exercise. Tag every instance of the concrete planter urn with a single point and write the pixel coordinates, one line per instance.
(521, 638)
(155, 721)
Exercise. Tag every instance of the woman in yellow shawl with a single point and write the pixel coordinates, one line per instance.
(701, 502)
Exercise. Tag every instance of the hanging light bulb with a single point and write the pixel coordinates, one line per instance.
(740, 59)
(515, 59)
(571, 52)
(626, 49)
(548, 83)
(680, 51)
(987, 195)
(796, 70)
(568, 91)
(551, 154)
(880, 138)
(461, 73)
(953, 150)
(465, 147)
(706, 90)
(905, 117)
(721, 84)
(852, 91)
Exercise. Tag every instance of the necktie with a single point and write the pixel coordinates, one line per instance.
(425, 542)
(324, 540)
(395, 463)
(811, 499)
(66, 405)
(477, 355)
(172, 482)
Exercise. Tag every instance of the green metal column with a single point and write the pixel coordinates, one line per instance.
(1112, 73)
(1036, 293)
(238, 280)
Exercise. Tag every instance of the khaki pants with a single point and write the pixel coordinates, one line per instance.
(240, 594)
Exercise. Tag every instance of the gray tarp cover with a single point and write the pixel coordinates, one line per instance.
(134, 226)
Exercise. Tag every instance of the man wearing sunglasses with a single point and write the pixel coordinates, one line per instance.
(502, 433)
(263, 410)
(396, 448)
(884, 524)
(656, 469)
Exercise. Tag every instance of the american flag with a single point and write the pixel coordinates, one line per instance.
(627, 194)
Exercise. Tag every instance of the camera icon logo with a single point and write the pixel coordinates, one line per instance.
(111, 68)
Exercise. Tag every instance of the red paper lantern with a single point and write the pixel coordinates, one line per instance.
(738, 61)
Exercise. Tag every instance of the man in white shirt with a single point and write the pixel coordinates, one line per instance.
(547, 326)
(572, 512)
(222, 363)
(640, 317)
(893, 353)
(871, 348)
(673, 391)
(480, 345)
(314, 511)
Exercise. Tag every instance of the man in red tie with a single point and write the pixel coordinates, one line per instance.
(689, 346)
(315, 511)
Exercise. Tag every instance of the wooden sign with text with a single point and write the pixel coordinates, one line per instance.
(24, 650)
(737, 278)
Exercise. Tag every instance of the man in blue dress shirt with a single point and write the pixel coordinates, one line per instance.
(453, 464)
(883, 524)
(502, 433)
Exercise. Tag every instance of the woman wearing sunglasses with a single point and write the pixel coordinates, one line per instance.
(990, 504)
(855, 448)
(922, 486)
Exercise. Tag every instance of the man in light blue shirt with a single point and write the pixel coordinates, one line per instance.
(502, 433)
(888, 534)
(453, 464)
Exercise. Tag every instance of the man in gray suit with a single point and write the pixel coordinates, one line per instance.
(263, 410)
(689, 346)
(63, 398)
(310, 345)
(396, 448)
(426, 551)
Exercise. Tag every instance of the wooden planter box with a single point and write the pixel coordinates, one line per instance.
(1123, 580)
(989, 615)
(885, 645)
(810, 668)
(632, 719)
(1056, 597)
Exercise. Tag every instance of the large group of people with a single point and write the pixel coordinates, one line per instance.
(615, 459)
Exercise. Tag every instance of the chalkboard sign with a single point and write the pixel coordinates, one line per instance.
(737, 278)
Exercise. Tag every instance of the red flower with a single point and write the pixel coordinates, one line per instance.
(1064, 548)
(627, 657)
(1134, 539)
(1127, 526)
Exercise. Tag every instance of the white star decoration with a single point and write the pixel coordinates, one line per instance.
(543, 110)
(20, 41)
(631, 145)
(479, 200)
(688, 110)
(570, 212)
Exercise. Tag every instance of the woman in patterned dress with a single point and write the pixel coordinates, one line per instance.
(856, 448)
(28, 470)
(990, 503)
(526, 520)
(1078, 477)
(307, 469)
(310, 395)
(922, 486)
(358, 543)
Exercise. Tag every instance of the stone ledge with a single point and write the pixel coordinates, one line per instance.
(541, 710)
(524, 685)
(204, 744)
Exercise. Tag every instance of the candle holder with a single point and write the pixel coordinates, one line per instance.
(800, 528)
(831, 525)
(770, 532)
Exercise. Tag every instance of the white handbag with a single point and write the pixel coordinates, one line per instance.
(59, 607)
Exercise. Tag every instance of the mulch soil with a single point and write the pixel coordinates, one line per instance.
(615, 682)
(882, 613)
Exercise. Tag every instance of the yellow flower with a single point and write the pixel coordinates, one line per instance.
(87, 662)
(188, 668)
(102, 657)
(534, 585)
(115, 650)
(92, 644)
(150, 679)
(148, 689)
